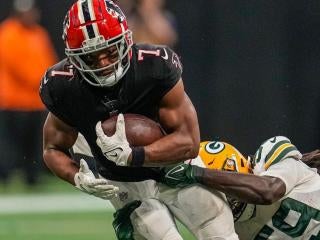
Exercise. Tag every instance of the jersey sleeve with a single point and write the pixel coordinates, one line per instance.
(159, 63)
(52, 94)
(291, 171)
(170, 69)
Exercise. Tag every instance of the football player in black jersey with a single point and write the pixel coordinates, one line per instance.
(106, 74)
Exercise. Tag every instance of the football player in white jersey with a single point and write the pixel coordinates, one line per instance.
(283, 193)
(204, 212)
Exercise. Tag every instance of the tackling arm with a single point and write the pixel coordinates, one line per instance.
(179, 118)
(58, 138)
(250, 188)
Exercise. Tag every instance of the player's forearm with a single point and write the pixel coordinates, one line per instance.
(248, 188)
(170, 149)
(60, 164)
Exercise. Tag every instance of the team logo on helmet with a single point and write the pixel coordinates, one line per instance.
(115, 11)
(214, 147)
(222, 156)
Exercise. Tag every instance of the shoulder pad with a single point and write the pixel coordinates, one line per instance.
(62, 69)
(272, 151)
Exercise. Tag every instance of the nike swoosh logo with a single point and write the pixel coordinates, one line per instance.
(273, 140)
(165, 57)
(173, 171)
(113, 154)
(45, 80)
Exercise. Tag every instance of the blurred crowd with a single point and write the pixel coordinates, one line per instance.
(26, 51)
(149, 21)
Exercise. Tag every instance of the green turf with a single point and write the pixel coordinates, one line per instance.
(61, 226)
(55, 226)
(47, 184)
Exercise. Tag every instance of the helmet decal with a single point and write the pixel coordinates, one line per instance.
(215, 147)
(115, 11)
(230, 165)
(222, 156)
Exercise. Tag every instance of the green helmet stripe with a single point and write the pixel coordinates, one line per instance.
(283, 153)
(274, 148)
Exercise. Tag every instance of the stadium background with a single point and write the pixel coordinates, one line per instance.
(250, 67)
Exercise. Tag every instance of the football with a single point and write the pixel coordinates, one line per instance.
(140, 130)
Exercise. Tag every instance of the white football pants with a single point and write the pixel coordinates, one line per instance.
(204, 212)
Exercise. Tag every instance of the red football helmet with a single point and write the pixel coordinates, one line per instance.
(94, 26)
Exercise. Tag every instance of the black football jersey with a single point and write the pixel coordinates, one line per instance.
(154, 70)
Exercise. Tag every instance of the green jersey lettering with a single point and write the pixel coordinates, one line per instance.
(293, 218)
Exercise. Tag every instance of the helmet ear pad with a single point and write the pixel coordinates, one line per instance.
(92, 26)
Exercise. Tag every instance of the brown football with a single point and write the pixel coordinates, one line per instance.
(140, 130)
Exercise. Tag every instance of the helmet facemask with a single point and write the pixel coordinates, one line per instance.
(105, 76)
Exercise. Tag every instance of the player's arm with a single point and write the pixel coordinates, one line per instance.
(179, 118)
(246, 187)
(58, 138)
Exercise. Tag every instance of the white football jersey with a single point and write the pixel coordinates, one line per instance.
(296, 215)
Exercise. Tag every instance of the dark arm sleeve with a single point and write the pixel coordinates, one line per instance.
(117, 173)
(130, 174)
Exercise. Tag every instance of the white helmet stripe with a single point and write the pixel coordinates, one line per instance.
(85, 32)
(91, 11)
(96, 29)
(80, 12)
(93, 18)
(122, 28)
(86, 14)
(82, 20)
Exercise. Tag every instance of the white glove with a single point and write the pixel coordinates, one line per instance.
(115, 148)
(88, 183)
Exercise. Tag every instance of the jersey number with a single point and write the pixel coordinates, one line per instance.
(149, 52)
(62, 73)
(295, 219)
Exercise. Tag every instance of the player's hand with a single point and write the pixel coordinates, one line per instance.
(115, 148)
(179, 175)
(88, 183)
